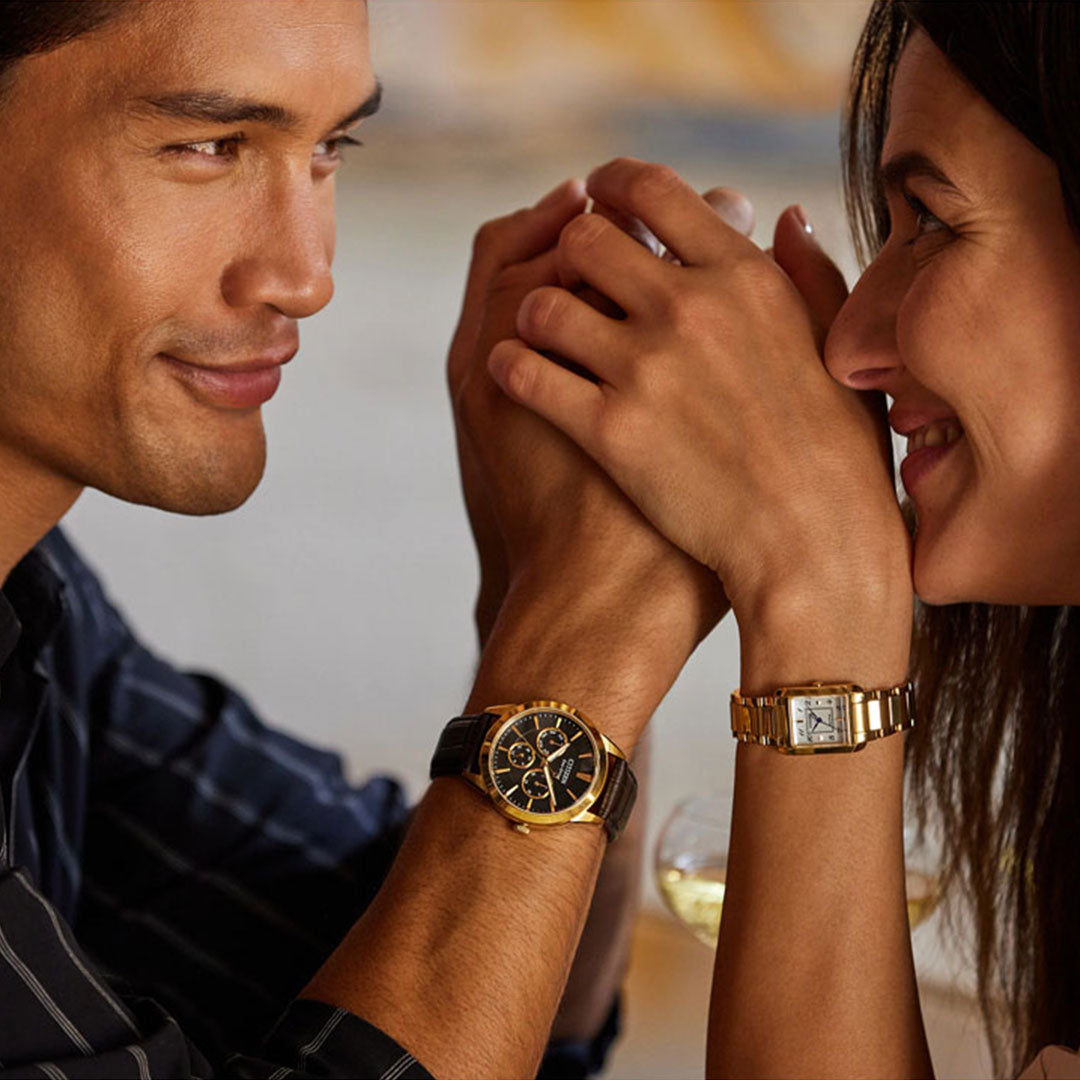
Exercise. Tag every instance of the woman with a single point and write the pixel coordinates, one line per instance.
(737, 403)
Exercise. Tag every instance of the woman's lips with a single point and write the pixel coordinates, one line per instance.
(920, 462)
(228, 388)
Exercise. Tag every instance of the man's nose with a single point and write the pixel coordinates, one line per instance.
(287, 262)
(861, 349)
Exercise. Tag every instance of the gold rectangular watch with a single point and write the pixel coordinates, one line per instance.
(822, 718)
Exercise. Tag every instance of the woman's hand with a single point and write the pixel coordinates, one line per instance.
(712, 410)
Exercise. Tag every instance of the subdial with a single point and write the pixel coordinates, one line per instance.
(550, 741)
(535, 784)
(521, 755)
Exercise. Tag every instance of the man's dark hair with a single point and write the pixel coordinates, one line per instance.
(37, 26)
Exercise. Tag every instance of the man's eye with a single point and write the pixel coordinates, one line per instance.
(209, 148)
(335, 146)
(227, 147)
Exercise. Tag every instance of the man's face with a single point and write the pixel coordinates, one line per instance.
(143, 253)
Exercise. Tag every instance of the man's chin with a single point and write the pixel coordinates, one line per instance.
(199, 482)
(202, 502)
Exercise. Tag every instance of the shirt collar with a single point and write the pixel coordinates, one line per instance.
(9, 629)
(31, 603)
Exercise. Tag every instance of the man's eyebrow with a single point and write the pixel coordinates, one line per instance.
(220, 107)
(892, 174)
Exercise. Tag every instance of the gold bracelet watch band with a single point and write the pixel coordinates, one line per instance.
(822, 718)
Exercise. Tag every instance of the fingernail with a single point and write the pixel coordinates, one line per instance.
(802, 218)
(556, 195)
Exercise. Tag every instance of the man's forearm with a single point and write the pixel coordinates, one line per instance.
(604, 950)
(464, 954)
(603, 953)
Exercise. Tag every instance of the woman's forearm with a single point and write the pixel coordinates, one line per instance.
(814, 973)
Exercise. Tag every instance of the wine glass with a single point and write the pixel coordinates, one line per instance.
(922, 878)
(690, 865)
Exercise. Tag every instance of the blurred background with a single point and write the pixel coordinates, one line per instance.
(339, 597)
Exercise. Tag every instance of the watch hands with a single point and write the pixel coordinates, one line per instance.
(562, 749)
(551, 783)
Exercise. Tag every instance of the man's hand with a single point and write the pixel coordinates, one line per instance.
(511, 256)
(541, 511)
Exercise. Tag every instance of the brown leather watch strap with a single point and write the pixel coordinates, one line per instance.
(618, 797)
(458, 750)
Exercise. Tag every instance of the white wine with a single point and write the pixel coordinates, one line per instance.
(695, 895)
(923, 893)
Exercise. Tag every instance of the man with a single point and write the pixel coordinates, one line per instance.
(173, 875)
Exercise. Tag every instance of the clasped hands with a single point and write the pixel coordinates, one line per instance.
(685, 422)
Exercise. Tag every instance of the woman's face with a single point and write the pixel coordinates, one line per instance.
(969, 318)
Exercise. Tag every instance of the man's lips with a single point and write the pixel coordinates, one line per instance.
(244, 385)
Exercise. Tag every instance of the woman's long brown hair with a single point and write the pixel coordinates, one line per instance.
(994, 762)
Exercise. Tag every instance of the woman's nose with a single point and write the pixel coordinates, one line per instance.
(861, 349)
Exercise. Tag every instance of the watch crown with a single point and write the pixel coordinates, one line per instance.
(521, 827)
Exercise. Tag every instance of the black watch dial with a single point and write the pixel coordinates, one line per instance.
(543, 761)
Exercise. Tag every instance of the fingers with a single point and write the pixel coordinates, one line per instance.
(594, 252)
(512, 239)
(811, 271)
(557, 321)
(562, 398)
(656, 195)
(733, 207)
(527, 232)
(481, 317)
(629, 225)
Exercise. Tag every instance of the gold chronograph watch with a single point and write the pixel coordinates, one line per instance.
(541, 763)
(822, 718)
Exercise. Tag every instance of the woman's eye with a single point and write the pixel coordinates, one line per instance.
(925, 222)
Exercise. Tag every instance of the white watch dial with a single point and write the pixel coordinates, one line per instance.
(819, 721)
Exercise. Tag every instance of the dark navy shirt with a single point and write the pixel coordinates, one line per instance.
(172, 871)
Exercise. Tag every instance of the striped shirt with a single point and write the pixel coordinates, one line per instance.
(172, 870)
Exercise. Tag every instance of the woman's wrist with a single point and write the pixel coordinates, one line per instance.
(856, 628)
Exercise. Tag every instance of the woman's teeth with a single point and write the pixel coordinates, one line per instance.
(939, 433)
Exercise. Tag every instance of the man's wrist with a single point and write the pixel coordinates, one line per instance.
(592, 644)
